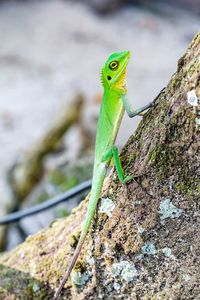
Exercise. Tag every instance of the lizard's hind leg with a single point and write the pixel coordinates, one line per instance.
(113, 153)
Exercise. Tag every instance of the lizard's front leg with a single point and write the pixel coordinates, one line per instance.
(132, 113)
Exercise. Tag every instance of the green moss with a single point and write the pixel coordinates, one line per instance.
(155, 153)
(81, 266)
(158, 157)
(190, 187)
(176, 81)
(74, 238)
(191, 70)
(132, 157)
(14, 281)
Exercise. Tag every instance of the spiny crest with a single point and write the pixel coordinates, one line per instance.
(101, 76)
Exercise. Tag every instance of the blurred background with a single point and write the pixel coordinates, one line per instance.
(51, 54)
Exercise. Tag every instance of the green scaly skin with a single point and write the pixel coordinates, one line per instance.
(114, 103)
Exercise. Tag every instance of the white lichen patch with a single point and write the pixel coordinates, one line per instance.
(197, 120)
(125, 270)
(139, 257)
(80, 279)
(168, 252)
(169, 210)
(186, 277)
(141, 230)
(35, 287)
(116, 286)
(106, 206)
(149, 248)
(89, 258)
(192, 98)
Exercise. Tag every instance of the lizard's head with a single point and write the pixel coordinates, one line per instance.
(114, 71)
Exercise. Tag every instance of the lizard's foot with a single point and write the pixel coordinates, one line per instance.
(127, 179)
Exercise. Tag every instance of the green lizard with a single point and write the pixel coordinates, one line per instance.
(114, 103)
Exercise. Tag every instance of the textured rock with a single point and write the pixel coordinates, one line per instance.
(149, 247)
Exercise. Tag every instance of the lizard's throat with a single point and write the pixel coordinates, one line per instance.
(121, 82)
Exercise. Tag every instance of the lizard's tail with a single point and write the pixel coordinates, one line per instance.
(97, 183)
(68, 272)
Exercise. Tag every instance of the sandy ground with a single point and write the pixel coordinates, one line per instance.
(49, 50)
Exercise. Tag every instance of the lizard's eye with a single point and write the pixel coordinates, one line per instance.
(114, 65)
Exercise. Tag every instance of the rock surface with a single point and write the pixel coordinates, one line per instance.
(149, 246)
(40, 69)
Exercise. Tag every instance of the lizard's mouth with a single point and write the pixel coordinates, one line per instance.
(125, 63)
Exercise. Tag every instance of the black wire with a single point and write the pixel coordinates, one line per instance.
(16, 216)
